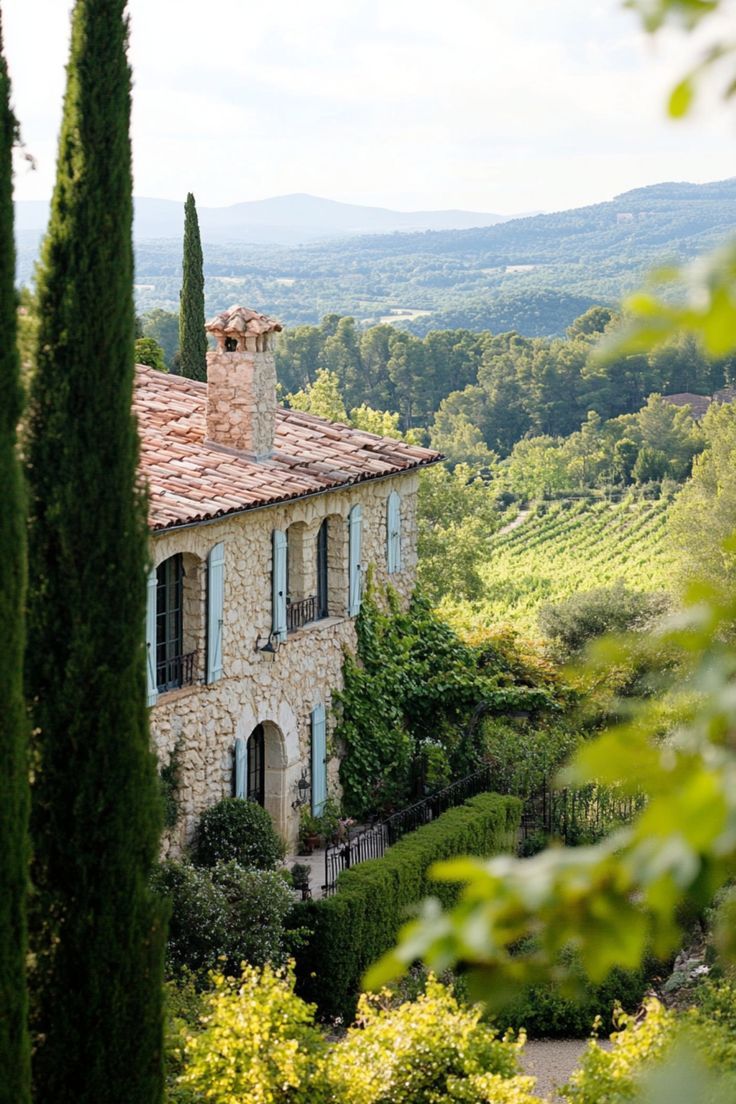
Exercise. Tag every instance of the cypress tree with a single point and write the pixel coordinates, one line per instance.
(96, 929)
(14, 1051)
(192, 336)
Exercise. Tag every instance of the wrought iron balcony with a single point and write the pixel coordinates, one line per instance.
(300, 613)
(177, 671)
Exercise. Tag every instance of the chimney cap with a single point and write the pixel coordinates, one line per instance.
(242, 322)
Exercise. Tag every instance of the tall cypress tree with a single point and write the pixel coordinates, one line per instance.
(192, 336)
(96, 929)
(14, 1051)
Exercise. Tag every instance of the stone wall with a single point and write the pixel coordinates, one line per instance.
(277, 691)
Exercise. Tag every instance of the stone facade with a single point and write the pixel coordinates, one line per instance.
(279, 690)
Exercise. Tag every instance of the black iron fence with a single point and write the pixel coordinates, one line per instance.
(572, 816)
(577, 816)
(372, 843)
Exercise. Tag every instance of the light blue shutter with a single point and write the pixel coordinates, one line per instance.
(279, 584)
(355, 532)
(393, 532)
(319, 760)
(240, 758)
(151, 587)
(215, 605)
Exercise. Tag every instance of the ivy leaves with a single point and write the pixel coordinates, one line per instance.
(413, 686)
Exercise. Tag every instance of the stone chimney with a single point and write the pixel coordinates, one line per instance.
(241, 382)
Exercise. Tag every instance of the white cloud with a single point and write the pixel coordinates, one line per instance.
(484, 104)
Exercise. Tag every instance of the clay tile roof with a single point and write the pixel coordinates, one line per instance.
(698, 403)
(241, 320)
(190, 481)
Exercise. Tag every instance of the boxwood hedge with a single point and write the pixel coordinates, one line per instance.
(353, 928)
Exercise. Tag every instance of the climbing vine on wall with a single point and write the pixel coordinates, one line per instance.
(410, 699)
(169, 779)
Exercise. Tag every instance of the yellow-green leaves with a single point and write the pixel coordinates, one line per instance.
(656, 13)
(259, 1043)
(681, 98)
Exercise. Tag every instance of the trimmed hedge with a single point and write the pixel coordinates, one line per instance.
(353, 928)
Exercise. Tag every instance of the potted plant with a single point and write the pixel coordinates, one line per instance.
(309, 831)
(300, 875)
(329, 820)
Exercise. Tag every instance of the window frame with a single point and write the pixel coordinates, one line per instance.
(256, 766)
(323, 570)
(170, 615)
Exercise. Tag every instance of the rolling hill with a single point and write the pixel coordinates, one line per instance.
(533, 274)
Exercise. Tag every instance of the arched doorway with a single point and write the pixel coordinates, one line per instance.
(265, 771)
(256, 781)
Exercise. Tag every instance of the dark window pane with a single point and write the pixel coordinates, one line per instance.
(322, 573)
(256, 767)
(169, 623)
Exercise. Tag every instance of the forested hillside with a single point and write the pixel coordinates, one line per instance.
(481, 392)
(533, 275)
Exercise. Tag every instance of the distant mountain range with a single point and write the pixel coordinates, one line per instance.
(284, 220)
(533, 274)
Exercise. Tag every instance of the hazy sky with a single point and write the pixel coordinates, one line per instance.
(492, 105)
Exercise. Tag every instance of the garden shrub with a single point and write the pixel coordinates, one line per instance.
(259, 1043)
(184, 1007)
(360, 922)
(239, 830)
(612, 1077)
(525, 756)
(645, 1042)
(573, 622)
(430, 1049)
(544, 1012)
(224, 916)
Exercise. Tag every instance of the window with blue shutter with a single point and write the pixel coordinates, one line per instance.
(393, 533)
(319, 760)
(151, 593)
(240, 768)
(215, 611)
(278, 574)
(355, 524)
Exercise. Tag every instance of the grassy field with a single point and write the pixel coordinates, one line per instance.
(574, 546)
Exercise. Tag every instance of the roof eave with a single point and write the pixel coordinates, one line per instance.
(236, 511)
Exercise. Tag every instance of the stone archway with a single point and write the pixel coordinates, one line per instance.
(267, 762)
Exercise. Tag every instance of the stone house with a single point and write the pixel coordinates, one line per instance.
(263, 523)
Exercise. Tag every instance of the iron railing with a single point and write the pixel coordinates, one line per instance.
(576, 816)
(573, 816)
(372, 843)
(299, 614)
(176, 672)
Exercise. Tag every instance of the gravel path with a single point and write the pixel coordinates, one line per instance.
(552, 1061)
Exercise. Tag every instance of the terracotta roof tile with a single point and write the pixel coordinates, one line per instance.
(190, 481)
